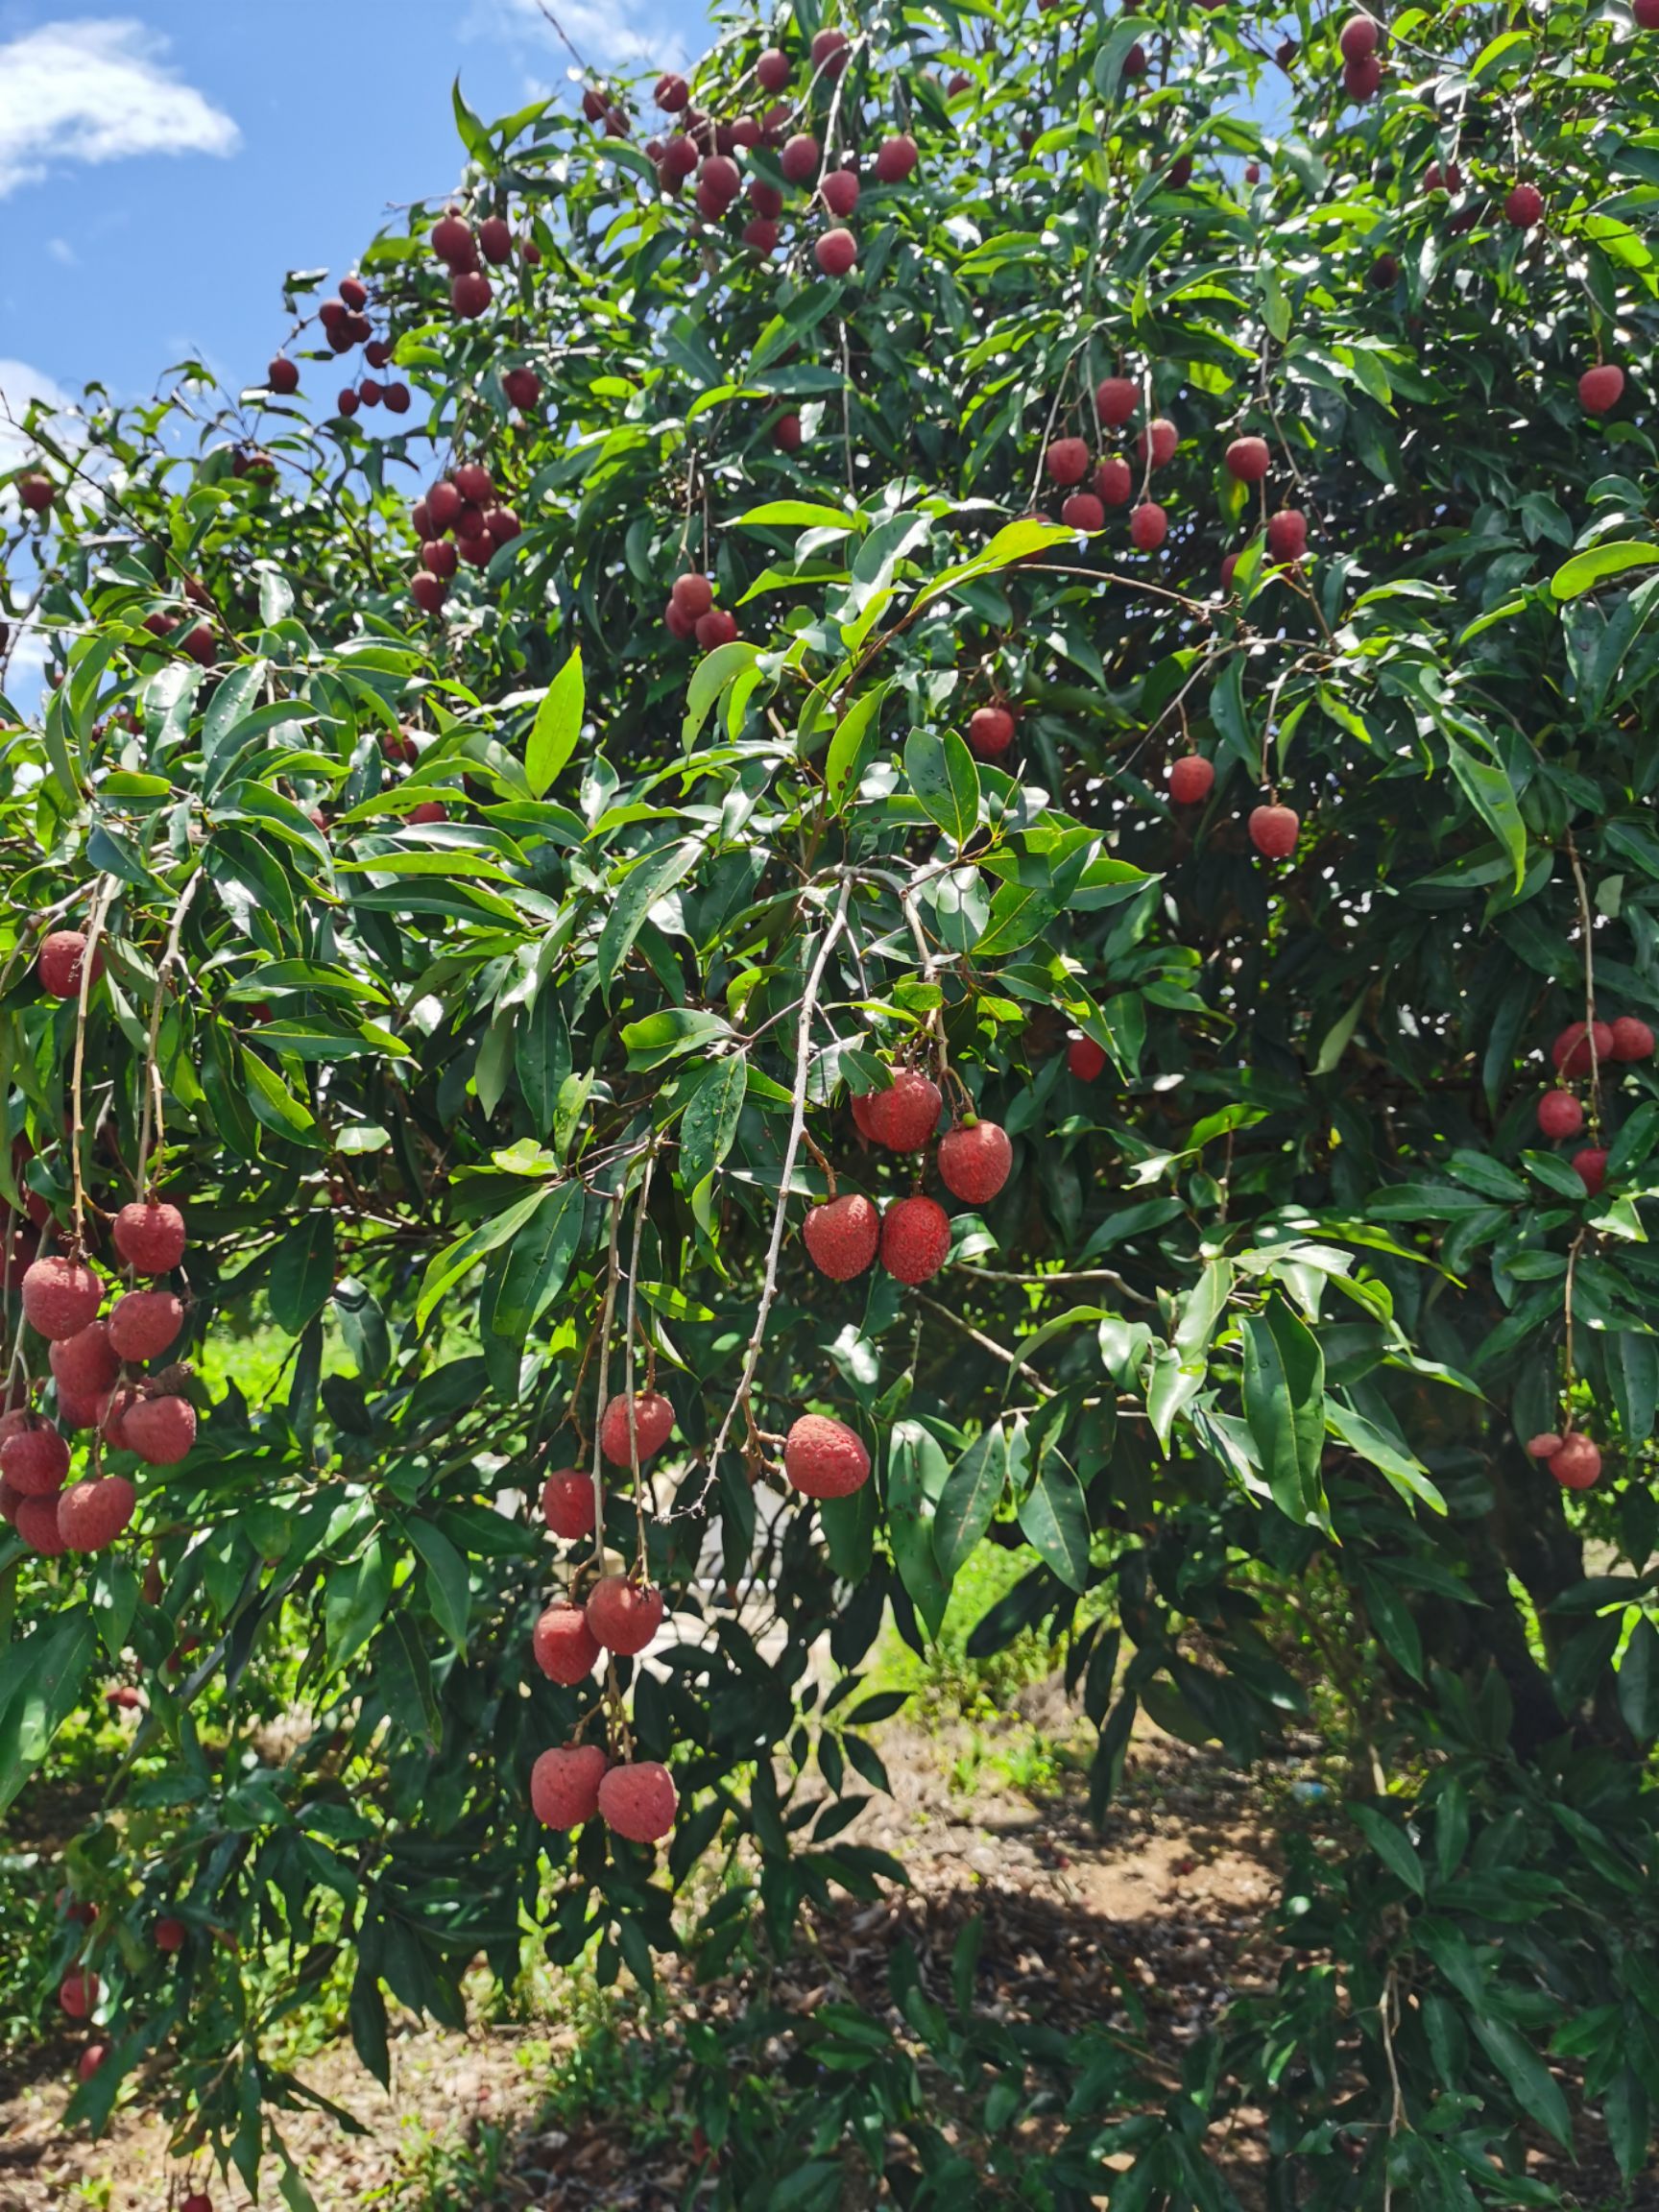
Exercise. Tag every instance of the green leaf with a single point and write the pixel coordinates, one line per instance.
(39, 1688)
(670, 1031)
(799, 514)
(709, 679)
(1391, 1844)
(916, 1477)
(1639, 1681)
(1019, 913)
(647, 882)
(1013, 542)
(1531, 2084)
(1585, 570)
(968, 1500)
(448, 1583)
(446, 1267)
(1055, 1520)
(274, 1103)
(302, 1273)
(1285, 1409)
(851, 746)
(712, 1113)
(1492, 795)
(944, 778)
(539, 1262)
(1409, 1475)
(557, 726)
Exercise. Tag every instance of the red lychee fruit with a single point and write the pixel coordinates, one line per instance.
(1274, 830)
(1116, 400)
(36, 493)
(762, 234)
(672, 93)
(1600, 388)
(91, 1514)
(1134, 62)
(1632, 1040)
(439, 557)
(1159, 440)
(170, 1933)
(60, 1297)
(990, 731)
(835, 252)
(502, 524)
(562, 1645)
(474, 483)
(678, 624)
(904, 1117)
(787, 433)
(10, 1502)
(199, 2200)
(1067, 461)
(283, 376)
(470, 294)
(1560, 1115)
(799, 160)
(1248, 459)
(37, 1524)
(824, 1458)
(452, 241)
(839, 192)
(1086, 1059)
(1546, 1446)
(1148, 527)
(842, 1238)
(624, 1615)
(720, 181)
(89, 2060)
(150, 1236)
(86, 1363)
(34, 1460)
(1115, 481)
(773, 69)
(830, 52)
(693, 594)
(1251, 172)
(354, 293)
(1287, 534)
(653, 1426)
(1358, 38)
(1192, 778)
(496, 239)
(522, 387)
(160, 1429)
(1578, 1464)
(915, 1239)
(1362, 77)
(1646, 14)
(896, 158)
(369, 392)
(1572, 1050)
(77, 1993)
(1524, 206)
(443, 504)
(568, 1504)
(113, 1425)
(347, 402)
(975, 1160)
(1590, 1166)
(638, 1800)
(565, 1785)
(58, 964)
(718, 627)
(1083, 511)
(679, 157)
(765, 199)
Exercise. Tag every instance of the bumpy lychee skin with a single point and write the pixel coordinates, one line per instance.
(824, 1458)
(170, 1933)
(77, 1993)
(1601, 389)
(150, 1236)
(564, 1646)
(58, 965)
(1086, 1059)
(860, 1102)
(1560, 1115)
(1590, 1166)
(1358, 38)
(974, 1161)
(1570, 1051)
(915, 1238)
(1578, 1464)
(160, 1430)
(693, 594)
(144, 1324)
(565, 1785)
(905, 1115)
(1524, 206)
(835, 252)
(1067, 461)
(653, 1426)
(92, 1514)
(896, 158)
(1544, 1446)
(1274, 830)
(990, 731)
(842, 1236)
(1632, 1040)
(86, 1363)
(37, 1524)
(1287, 534)
(1192, 778)
(10, 1502)
(568, 1504)
(1248, 459)
(34, 1460)
(638, 1800)
(198, 2202)
(1082, 510)
(1148, 527)
(60, 1297)
(1116, 400)
(623, 1614)
(112, 1421)
(1158, 442)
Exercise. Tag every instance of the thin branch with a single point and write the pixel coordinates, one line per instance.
(987, 1343)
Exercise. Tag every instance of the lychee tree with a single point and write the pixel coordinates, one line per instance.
(883, 840)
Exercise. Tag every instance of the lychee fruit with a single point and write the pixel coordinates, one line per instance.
(1067, 461)
(470, 294)
(638, 1800)
(58, 964)
(1287, 534)
(34, 1460)
(1248, 459)
(1524, 206)
(718, 627)
(762, 234)
(1116, 400)
(562, 1645)
(150, 1237)
(904, 1117)
(842, 1236)
(1158, 441)
(1362, 77)
(86, 1363)
(653, 1426)
(1274, 830)
(1646, 14)
(624, 1615)
(672, 93)
(773, 69)
(452, 241)
(800, 158)
(112, 1425)
(990, 731)
(1570, 1051)
(522, 387)
(77, 1993)
(787, 433)
(975, 1160)
(1192, 778)
(1546, 1446)
(1560, 1115)
(60, 1297)
(1632, 1040)
(1590, 1166)
(160, 1429)
(37, 491)
(89, 2060)
(283, 376)
(835, 252)
(443, 504)
(839, 192)
(1600, 388)
(1578, 1464)
(198, 2201)
(1086, 1059)
(36, 1522)
(1148, 527)
(1115, 481)
(896, 158)
(474, 483)
(824, 1458)
(915, 1239)
(565, 1785)
(1358, 38)
(693, 594)
(91, 1514)
(1083, 511)
(568, 1505)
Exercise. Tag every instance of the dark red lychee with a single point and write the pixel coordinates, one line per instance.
(975, 1160)
(835, 252)
(1116, 400)
(470, 294)
(693, 594)
(800, 159)
(1192, 778)
(915, 1239)
(904, 1117)
(283, 376)
(1524, 206)
(1067, 461)
(86, 1363)
(896, 158)
(1158, 442)
(1572, 1050)
(1248, 459)
(1560, 1115)
(1115, 481)
(1148, 527)
(1632, 1040)
(77, 1993)
(568, 1504)
(990, 731)
(58, 964)
(1590, 1166)
(1083, 511)
(160, 1431)
(773, 69)
(1274, 830)
(842, 1236)
(1287, 534)
(1085, 1058)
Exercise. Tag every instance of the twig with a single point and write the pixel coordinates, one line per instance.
(1584, 927)
(103, 898)
(639, 1214)
(987, 1343)
(605, 1318)
(152, 1073)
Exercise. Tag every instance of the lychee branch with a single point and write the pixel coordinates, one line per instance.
(103, 898)
(153, 1092)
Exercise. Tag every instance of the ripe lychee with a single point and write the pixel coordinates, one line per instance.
(470, 294)
(787, 433)
(1600, 388)
(904, 1117)
(718, 627)
(150, 1237)
(1646, 14)
(443, 504)
(975, 1160)
(773, 69)
(112, 1424)
(624, 1615)
(60, 1297)
(1083, 511)
(1287, 534)
(1632, 1040)
(830, 52)
(915, 1239)
(1546, 1446)
(1590, 1166)
(439, 557)
(198, 2201)
(1067, 461)
(1274, 830)
(1115, 481)
(1248, 459)
(1578, 1464)
(522, 387)
(762, 234)
(1357, 38)
(562, 1645)
(569, 1504)
(58, 965)
(1572, 1050)
(77, 1993)
(34, 1460)
(1116, 400)
(693, 594)
(1159, 441)
(638, 1800)
(565, 1785)
(348, 401)
(839, 192)
(452, 241)
(1362, 77)
(1560, 1115)
(36, 493)
(283, 376)
(896, 158)
(92, 1513)
(719, 181)
(835, 252)
(1148, 527)
(990, 731)
(86, 1363)
(89, 2060)
(1524, 206)
(824, 1458)
(1192, 778)
(799, 160)
(672, 93)
(842, 1236)
(37, 1524)
(1085, 1059)
(160, 1429)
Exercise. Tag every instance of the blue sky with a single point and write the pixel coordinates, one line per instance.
(162, 165)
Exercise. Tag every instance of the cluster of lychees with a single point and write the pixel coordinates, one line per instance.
(458, 519)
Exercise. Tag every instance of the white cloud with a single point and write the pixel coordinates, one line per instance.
(60, 250)
(97, 90)
(607, 34)
(19, 383)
